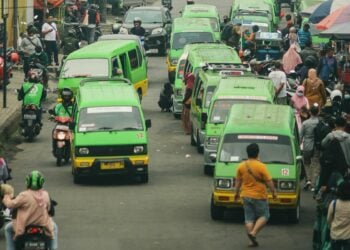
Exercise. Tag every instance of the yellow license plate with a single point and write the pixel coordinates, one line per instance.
(112, 165)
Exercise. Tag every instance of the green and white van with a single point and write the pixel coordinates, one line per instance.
(186, 31)
(206, 11)
(110, 132)
(274, 129)
(232, 90)
(194, 57)
(104, 59)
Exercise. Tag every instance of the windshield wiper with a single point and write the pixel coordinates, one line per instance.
(278, 162)
(131, 128)
(105, 128)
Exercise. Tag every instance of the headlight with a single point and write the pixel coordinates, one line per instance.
(138, 149)
(173, 61)
(157, 31)
(223, 183)
(287, 185)
(178, 92)
(212, 140)
(83, 151)
(61, 135)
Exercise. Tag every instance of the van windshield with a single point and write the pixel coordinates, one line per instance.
(147, 16)
(214, 24)
(273, 148)
(182, 38)
(221, 108)
(110, 119)
(91, 67)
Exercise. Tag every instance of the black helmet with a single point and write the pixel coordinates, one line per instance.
(255, 28)
(67, 95)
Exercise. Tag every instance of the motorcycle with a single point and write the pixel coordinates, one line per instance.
(30, 124)
(12, 57)
(34, 238)
(61, 137)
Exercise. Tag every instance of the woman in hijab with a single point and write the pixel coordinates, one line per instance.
(291, 59)
(314, 89)
(301, 105)
(186, 107)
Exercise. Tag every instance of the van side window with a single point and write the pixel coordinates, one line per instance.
(198, 91)
(188, 67)
(139, 56)
(115, 66)
(133, 59)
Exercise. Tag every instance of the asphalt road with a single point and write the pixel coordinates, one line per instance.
(172, 211)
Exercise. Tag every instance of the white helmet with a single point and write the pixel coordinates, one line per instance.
(137, 19)
(336, 93)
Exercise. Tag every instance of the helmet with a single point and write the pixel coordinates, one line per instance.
(137, 20)
(67, 95)
(35, 180)
(336, 93)
(14, 57)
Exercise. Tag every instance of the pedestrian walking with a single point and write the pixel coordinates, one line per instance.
(279, 79)
(307, 51)
(28, 45)
(304, 35)
(51, 37)
(314, 89)
(291, 59)
(338, 218)
(310, 153)
(327, 68)
(251, 180)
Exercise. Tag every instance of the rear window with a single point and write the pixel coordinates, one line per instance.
(92, 67)
(274, 149)
(182, 38)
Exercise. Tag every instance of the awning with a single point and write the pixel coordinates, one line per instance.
(338, 31)
(39, 4)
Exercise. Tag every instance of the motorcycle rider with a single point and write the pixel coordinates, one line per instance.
(33, 206)
(69, 43)
(40, 60)
(138, 30)
(63, 109)
(32, 92)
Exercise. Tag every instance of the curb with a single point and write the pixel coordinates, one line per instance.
(10, 126)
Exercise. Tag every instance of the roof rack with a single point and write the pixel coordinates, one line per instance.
(225, 66)
(105, 79)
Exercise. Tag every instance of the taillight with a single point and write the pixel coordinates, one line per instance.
(33, 230)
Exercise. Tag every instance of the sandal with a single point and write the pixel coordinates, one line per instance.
(253, 240)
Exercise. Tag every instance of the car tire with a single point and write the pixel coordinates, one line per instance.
(171, 78)
(144, 178)
(216, 212)
(200, 149)
(177, 116)
(193, 142)
(294, 214)
(208, 170)
(77, 179)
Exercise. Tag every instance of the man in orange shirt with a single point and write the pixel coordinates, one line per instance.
(252, 177)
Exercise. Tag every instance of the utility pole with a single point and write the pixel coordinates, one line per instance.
(15, 23)
(5, 77)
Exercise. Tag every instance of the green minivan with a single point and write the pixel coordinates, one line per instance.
(232, 91)
(186, 31)
(206, 11)
(106, 58)
(274, 129)
(194, 57)
(109, 130)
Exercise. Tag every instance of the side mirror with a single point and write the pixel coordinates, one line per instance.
(148, 123)
(299, 158)
(72, 125)
(204, 117)
(198, 102)
(212, 157)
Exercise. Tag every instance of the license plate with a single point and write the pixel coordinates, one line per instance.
(35, 245)
(112, 165)
(29, 117)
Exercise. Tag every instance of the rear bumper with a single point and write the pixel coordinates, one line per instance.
(283, 201)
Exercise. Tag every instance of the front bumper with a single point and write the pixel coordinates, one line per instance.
(84, 166)
(207, 152)
(283, 201)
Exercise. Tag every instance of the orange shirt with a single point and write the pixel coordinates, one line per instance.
(252, 188)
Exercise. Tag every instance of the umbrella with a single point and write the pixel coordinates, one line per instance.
(339, 31)
(341, 15)
(325, 8)
(308, 11)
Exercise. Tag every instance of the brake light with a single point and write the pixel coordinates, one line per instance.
(34, 230)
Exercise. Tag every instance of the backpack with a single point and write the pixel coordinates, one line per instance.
(320, 132)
